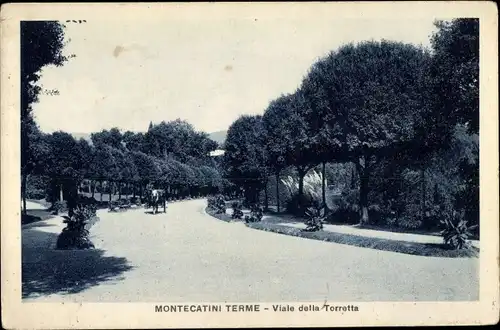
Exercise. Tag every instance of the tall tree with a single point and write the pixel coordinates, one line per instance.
(42, 43)
(112, 138)
(278, 135)
(134, 141)
(372, 93)
(245, 156)
(302, 151)
(66, 165)
(103, 164)
(455, 70)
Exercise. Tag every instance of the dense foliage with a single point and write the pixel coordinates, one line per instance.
(76, 234)
(169, 155)
(392, 127)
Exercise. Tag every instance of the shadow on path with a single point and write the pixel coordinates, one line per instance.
(48, 271)
(151, 212)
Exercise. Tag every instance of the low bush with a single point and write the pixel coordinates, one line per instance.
(237, 210)
(256, 214)
(456, 232)
(113, 206)
(135, 201)
(315, 217)
(76, 234)
(298, 205)
(217, 203)
(36, 194)
(59, 207)
(211, 202)
(345, 208)
(220, 204)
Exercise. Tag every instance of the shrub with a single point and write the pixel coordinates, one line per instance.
(344, 207)
(217, 203)
(220, 204)
(75, 235)
(256, 214)
(237, 210)
(312, 185)
(456, 233)
(297, 205)
(113, 206)
(36, 193)
(315, 217)
(83, 200)
(59, 207)
(409, 219)
(211, 202)
(135, 201)
(349, 200)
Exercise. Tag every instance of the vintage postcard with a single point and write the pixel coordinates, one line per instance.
(205, 165)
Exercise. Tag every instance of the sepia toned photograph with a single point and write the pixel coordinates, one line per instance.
(249, 163)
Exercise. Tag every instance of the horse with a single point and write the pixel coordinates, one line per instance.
(157, 196)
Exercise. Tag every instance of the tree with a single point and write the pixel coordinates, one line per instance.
(112, 138)
(455, 82)
(324, 131)
(455, 71)
(42, 43)
(134, 141)
(302, 151)
(371, 94)
(103, 164)
(278, 134)
(245, 157)
(66, 165)
(147, 169)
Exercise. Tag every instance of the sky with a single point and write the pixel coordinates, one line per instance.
(208, 72)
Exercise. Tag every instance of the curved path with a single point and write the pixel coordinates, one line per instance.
(186, 255)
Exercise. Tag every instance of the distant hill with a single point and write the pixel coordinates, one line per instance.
(219, 137)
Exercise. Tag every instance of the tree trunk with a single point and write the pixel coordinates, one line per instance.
(119, 190)
(422, 204)
(133, 189)
(302, 174)
(61, 192)
(110, 191)
(353, 175)
(278, 191)
(100, 192)
(323, 184)
(362, 168)
(23, 191)
(266, 203)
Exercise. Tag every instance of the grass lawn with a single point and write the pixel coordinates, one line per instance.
(221, 216)
(413, 248)
(272, 224)
(35, 215)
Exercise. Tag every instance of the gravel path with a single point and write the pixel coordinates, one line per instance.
(186, 255)
(34, 206)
